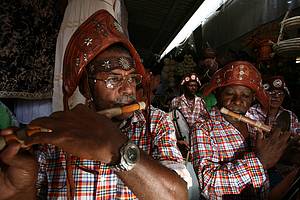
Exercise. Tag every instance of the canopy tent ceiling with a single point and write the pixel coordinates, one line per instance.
(244, 17)
(153, 24)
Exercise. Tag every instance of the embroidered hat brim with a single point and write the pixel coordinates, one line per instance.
(239, 73)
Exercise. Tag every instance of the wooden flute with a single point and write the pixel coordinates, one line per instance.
(21, 134)
(112, 112)
(247, 120)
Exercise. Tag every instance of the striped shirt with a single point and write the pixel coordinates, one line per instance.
(95, 180)
(226, 166)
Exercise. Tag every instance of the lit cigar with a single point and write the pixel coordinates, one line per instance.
(20, 135)
(112, 112)
(247, 120)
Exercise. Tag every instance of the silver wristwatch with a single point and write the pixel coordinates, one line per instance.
(130, 155)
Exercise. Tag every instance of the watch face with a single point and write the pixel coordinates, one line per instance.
(132, 154)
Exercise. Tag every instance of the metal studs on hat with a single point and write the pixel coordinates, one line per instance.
(100, 28)
(218, 80)
(77, 62)
(118, 27)
(88, 41)
(241, 72)
(277, 83)
(124, 63)
(91, 69)
(114, 63)
(106, 64)
(85, 57)
(266, 86)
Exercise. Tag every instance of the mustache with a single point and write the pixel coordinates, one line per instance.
(125, 99)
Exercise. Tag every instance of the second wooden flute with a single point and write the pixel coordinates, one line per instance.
(247, 120)
(20, 135)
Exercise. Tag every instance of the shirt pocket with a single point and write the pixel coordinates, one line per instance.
(57, 177)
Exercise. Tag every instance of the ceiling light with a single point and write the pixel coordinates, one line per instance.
(298, 60)
(205, 10)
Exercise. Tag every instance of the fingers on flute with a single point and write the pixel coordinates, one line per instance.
(276, 133)
(260, 134)
(8, 131)
(9, 153)
(40, 138)
(286, 136)
(282, 140)
(40, 123)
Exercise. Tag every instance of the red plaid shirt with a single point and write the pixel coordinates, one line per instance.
(256, 113)
(223, 160)
(95, 180)
(192, 113)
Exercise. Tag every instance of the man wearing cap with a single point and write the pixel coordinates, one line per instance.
(277, 90)
(230, 162)
(86, 155)
(191, 106)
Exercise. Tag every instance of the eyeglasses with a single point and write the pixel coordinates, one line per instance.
(277, 93)
(113, 81)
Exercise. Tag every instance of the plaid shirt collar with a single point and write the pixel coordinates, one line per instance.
(136, 117)
(216, 115)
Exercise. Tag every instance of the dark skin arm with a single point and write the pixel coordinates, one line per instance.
(151, 180)
(270, 149)
(100, 139)
(279, 190)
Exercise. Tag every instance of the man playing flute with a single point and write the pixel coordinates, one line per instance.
(230, 162)
(86, 155)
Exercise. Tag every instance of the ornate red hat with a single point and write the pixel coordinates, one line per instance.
(239, 73)
(91, 38)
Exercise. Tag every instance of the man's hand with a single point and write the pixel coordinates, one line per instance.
(81, 132)
(18, 172)
(292, 153)
(270, 149)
